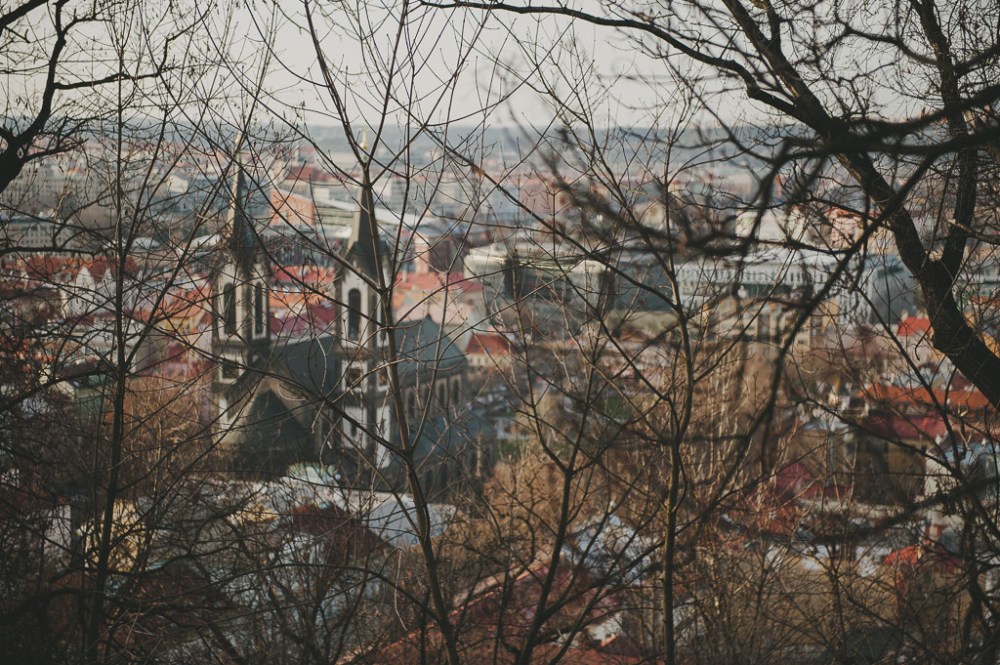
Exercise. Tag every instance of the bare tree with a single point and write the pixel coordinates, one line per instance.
(679, 423)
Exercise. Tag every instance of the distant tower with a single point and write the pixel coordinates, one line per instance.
(361, 333)
(241, 337)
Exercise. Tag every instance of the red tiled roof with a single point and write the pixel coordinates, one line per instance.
(434, 281)
(321, 313)
(926, 553)
(47, 267)
(913, 326)
(894, 427)
(491, 344)
(309, 174)
(921, 396)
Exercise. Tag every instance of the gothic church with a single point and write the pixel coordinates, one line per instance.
(325, 397)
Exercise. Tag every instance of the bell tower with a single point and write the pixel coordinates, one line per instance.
(241, 336)
(362, 336)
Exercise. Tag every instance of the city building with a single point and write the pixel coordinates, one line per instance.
(325, 396)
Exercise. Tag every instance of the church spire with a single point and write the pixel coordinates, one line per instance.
(364, 231)
(243, 241)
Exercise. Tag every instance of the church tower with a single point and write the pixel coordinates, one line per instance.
(241, 336)
(362, 336)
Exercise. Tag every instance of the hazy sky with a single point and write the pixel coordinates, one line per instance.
(464, 66)
(258, 58)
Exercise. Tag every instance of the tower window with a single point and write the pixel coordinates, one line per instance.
(229, 309)
(354, 379)
(258, 309)
(353, 314)
(230, 369)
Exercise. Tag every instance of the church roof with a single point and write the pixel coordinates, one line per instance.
(310, 365)
(423, 346)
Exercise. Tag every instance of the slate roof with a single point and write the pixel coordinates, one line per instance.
(423, 343)
(310, 364)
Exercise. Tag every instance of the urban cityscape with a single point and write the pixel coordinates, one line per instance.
(367, 377)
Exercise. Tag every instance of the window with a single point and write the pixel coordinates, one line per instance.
(354, 379)
(353, 314)
(229, 309)
(455, 390)
(764, 328)
(258, 310)
(230, 369)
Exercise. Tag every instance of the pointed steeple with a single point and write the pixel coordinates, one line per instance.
(243, 242)
(364, 234)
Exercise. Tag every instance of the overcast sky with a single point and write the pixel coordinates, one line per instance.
(589, 68)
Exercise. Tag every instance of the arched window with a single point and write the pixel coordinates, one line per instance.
(229, 309)
(258, 310)
(353, 314)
